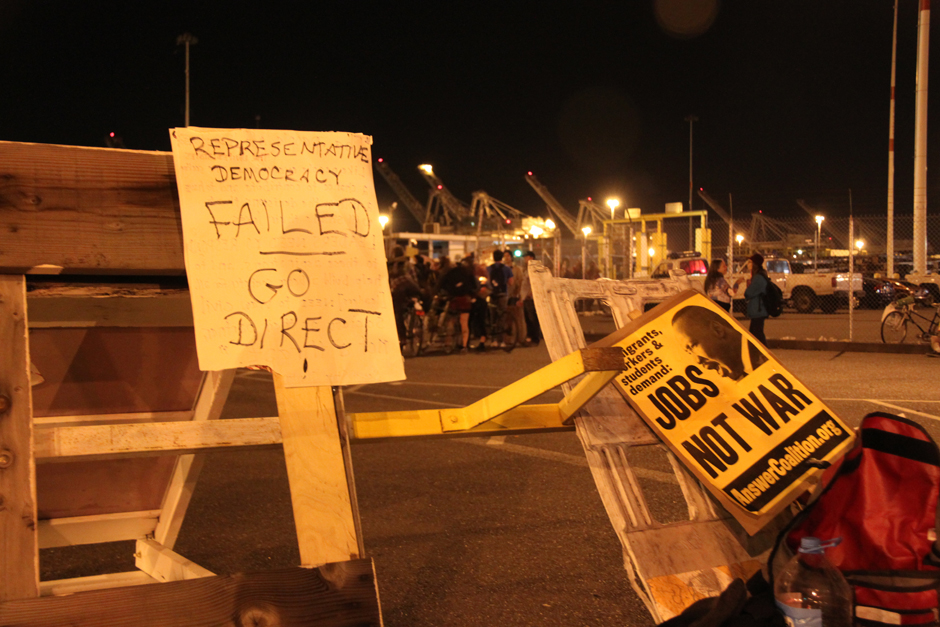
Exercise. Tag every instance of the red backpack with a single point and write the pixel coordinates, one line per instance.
(882, 501)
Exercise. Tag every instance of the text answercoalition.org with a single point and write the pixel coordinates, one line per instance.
(784, 460)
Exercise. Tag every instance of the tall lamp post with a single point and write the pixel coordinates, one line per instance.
(587, 231)
(819, 221)
(187, 40)
(613, 203)
(690, 119)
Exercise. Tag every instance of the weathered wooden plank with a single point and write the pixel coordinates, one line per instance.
(326, 529)
(102, 486)
(90, 210)
(164, 564)
(206, 411)
(334, 595)
(62, 305)
(98, 528)
(66, 444)
(62, 587)
(19, 551)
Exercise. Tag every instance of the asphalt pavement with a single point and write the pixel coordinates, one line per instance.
(481, 530)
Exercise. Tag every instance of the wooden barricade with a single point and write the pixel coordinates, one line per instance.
(105, 416)
(672, 564)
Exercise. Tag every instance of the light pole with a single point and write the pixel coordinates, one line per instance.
(187, 39)
(587, 231)
(690, 119)
(819, 221)
(613, 203)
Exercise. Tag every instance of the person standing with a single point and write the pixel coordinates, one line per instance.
(754, 297)
(461, 288)
(533, 329)
(716, 286)
(500, 281)
(514, 304)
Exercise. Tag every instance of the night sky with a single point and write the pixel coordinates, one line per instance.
(792, 97)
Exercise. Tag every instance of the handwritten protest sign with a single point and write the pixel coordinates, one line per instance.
(734, 416)
(284, 254)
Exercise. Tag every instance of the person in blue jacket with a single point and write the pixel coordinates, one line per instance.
(754, 297)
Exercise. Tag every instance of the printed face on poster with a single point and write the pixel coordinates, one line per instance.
(735, 417)
(284, 254)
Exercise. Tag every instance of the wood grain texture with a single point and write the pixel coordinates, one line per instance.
(94, 210)
(334, 595)
(326, 529)
(19, 548)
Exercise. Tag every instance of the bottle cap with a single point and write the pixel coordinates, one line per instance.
(809, 544)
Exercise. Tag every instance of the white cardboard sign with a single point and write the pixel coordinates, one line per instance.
(285, 256)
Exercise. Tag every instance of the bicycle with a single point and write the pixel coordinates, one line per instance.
(500, 325)
(900, 315)
(441, 327)
(413, 342)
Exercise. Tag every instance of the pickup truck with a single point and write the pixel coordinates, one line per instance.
(828, 291)
(805, 292)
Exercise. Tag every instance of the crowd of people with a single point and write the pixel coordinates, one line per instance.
(469, 287)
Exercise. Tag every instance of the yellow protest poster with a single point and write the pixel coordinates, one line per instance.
(731, 413)
(284, 254)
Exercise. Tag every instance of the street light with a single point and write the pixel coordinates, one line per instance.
(187, 40)
(819, 221)
(383, 220)
(587, 231)
(613, 203)
(690, 119)
(859, 244)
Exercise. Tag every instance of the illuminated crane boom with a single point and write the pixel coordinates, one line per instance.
(404, 195)
(553, 205)
(443, 206)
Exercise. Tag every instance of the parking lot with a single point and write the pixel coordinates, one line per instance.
(476, 531)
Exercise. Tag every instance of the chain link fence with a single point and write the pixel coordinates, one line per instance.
(811, 260)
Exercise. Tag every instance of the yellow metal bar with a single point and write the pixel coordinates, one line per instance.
(504, 408)
(585, 390)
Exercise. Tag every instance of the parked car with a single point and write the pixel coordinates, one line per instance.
(921, 293)
(879, 293)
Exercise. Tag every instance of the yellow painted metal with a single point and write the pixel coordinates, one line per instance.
(426, 422)
(499, 412)
(585, 390)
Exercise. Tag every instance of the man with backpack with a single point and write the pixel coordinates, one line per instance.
(500, 280)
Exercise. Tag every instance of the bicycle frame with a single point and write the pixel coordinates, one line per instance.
(930, 326)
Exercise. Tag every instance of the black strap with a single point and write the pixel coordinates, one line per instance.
(901, 446)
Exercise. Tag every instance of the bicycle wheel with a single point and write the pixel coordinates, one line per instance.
(894, 328)
(449, 330)
(509, 331)
(411, 345)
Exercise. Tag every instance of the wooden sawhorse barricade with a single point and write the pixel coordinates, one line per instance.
(104, 414)
(672, 564)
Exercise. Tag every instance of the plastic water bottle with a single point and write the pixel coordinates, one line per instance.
(811, 592)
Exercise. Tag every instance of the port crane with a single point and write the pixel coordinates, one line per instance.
(404, 194)
(554, 207)
(443, 207)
